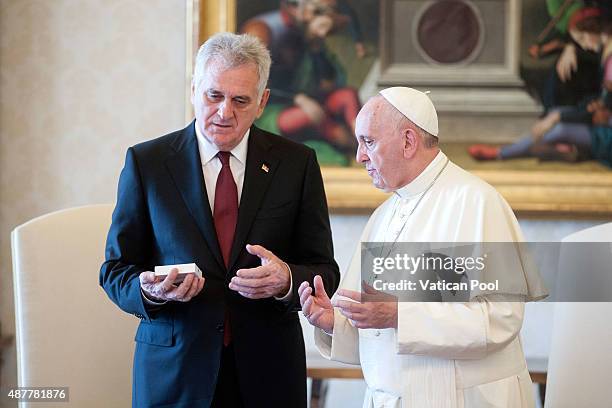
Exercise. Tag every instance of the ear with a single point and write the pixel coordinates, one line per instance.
(263, 102)
(411, 142)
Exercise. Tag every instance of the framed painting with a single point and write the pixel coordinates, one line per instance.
(484, 76)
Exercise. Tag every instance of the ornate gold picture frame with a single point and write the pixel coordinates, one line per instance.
(531, 193)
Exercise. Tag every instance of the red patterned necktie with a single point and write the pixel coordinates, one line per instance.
(225, 214)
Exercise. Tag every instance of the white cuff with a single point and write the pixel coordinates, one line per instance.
(287, 296)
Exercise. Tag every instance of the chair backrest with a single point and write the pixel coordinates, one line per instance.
(68, 332)
(581, 346)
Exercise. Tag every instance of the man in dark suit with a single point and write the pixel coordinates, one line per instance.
(249, 209)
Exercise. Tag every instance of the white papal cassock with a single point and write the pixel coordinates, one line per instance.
(442, 354)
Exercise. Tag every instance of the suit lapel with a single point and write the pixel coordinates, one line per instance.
(260, 168)
(185, 167)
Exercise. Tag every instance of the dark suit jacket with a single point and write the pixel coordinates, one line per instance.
(162, 216)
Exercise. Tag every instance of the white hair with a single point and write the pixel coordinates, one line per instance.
(233, 50)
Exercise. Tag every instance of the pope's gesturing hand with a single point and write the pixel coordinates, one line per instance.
(317, 307)
(370, 309)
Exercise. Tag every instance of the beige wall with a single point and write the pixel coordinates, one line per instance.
(80, 81)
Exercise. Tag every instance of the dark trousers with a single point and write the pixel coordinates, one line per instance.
(227, 392)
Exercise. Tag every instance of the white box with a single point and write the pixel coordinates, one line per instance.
(184, 269)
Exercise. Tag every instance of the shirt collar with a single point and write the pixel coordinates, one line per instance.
(423, 180)
(208, 150)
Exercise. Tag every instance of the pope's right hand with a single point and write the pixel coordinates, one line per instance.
(161, 290)
(317, 308)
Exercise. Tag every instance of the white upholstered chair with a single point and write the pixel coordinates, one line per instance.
(580, 359)
(68, 332)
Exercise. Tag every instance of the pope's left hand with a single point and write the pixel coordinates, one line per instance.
(369, 310)
(272, 278)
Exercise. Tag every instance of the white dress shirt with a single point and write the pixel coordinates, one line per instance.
(211, 164)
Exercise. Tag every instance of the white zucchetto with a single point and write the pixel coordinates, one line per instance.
(415, 105)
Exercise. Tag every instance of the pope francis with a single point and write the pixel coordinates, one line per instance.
(426, 354)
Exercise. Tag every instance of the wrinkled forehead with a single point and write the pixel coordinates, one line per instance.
(239, 79)
(218, 65)
(376, 113)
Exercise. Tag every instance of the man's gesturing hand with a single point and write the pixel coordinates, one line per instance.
(317, 308)
(371, 310)
(272, 278)
(157, 289)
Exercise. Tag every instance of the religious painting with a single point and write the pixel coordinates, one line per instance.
(492, 70)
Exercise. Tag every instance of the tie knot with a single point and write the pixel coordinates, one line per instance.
(224, 157)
